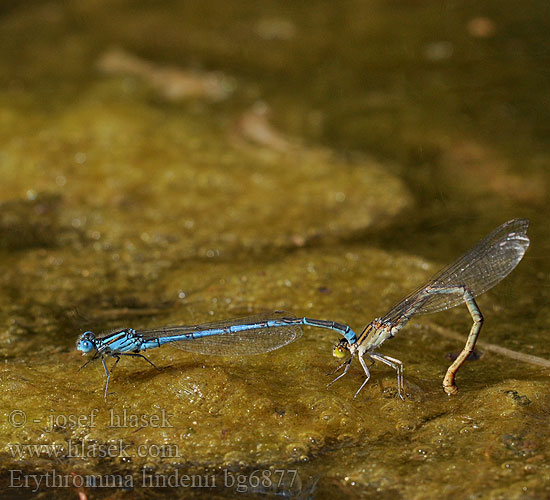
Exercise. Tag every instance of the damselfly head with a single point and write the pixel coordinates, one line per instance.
(341, 349)
(86, 342)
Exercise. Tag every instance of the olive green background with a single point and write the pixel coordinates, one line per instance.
(181, 162)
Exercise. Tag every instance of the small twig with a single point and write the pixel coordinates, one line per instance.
(526, 358)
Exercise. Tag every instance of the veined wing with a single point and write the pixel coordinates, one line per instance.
(479, 269)
(240, 336)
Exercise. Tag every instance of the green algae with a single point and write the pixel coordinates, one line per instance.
(121, 205)
(204, 413)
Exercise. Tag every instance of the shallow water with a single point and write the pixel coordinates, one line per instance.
(180, 162)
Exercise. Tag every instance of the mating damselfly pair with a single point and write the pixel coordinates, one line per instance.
(475, 272)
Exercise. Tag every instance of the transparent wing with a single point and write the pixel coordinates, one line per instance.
(255, 335)
(479, 269)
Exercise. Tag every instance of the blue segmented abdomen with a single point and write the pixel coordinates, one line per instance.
(241, 336)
